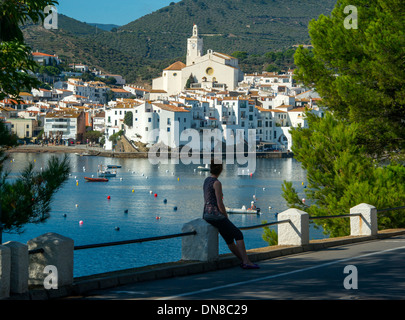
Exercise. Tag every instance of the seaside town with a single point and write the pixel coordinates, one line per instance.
(210, 91)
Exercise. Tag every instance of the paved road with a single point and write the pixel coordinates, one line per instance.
(311, 275)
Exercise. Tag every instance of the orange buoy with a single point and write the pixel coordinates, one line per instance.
(108, 197)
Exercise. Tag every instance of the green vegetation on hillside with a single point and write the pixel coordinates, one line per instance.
(141, 49)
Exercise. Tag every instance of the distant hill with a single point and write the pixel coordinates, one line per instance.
(105, 27)
(141, 49)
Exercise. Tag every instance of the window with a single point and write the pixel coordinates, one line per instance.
(149, 119)
(168, 129)
(146, 129)
(168, 121)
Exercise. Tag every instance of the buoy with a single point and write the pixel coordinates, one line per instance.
(120, 179)
(64, 215)
(178, 179)
(126, 211)
(108, 197)
(117, 228)
(175, 208)
(150, 191)
(77, 205)
(264, 189)
(164, 200)
(303, 200)
(251, 174)
(157, 218)
(77, 183)
(81, 222)
(155, 195)
(269, 208)
(302, 183)
(133, 190)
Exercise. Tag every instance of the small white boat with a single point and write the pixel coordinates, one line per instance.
(243, 210)
(206, 168)
(107, 173)
(104, 172)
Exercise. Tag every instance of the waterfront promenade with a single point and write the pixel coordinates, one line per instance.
(313, 271)
(310, 275)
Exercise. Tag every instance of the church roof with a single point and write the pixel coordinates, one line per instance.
(176, 66)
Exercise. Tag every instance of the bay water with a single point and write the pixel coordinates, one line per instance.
(82, 211)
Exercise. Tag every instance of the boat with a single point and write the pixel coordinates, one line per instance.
(95, 179)
(104, 172)
(243, 210)
(107, 173)
(206, 168)
(113, 166)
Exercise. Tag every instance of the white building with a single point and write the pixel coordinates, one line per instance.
(64, 125)
(95, 91)
(212, 70)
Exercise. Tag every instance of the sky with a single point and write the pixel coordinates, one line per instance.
(118, 12)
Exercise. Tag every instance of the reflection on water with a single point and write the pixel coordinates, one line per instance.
(180, 185)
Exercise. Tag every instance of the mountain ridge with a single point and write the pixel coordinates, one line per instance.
(140, 49)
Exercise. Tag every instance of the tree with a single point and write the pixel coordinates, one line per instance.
(15, 56)
(28, 198)
(93, 136)
(341, 175)
(360, 72)
(129, 119)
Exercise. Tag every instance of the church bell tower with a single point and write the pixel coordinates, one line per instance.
(194, 47)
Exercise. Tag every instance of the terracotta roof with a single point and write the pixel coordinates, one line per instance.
(176, 66)
(42, 54)
(169, 107)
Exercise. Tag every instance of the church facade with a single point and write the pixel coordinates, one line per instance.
(213, 70)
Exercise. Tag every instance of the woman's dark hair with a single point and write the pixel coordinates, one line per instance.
(216, 168)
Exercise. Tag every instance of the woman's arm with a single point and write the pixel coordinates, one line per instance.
(219, 195)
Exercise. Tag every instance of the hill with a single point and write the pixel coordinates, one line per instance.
(141, 49)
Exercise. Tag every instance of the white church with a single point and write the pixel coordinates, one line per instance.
(213, 70)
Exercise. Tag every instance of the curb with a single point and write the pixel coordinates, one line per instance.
(84, 285)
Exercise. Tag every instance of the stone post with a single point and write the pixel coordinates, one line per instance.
(5, 269)
(295, 233)
(58, 252)
(19, 267)
(204, 245)
(366, 224)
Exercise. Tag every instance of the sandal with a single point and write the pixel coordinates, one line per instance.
(248, 266)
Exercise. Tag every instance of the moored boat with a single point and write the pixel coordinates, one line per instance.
(107, 173)
(243, 210)
(113, 166)
(206, 168)
(95, 179)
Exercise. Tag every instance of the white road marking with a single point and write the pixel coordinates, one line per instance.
(275, 275)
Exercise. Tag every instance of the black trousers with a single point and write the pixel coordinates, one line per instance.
(226, 229)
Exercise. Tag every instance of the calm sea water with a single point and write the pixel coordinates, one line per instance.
(180, 184)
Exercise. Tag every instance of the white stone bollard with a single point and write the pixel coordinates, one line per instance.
(366, 224)
(204, 245)
(58, 252)
(19, 267)
(295, 233)
(5, 268)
